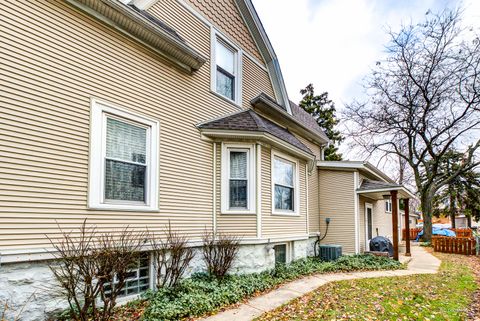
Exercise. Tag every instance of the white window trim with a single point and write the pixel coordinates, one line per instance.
(368, 206)
(215, 34)
(296, 179)
(225, 184)
(99, 110)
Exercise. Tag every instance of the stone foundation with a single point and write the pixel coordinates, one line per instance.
(32, 284)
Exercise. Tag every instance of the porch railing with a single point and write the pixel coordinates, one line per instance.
(456, 245)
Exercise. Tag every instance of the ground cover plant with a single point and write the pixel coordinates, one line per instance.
(203, 294)
(447, 295)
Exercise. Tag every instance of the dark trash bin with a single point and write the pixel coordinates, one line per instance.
(381, 244)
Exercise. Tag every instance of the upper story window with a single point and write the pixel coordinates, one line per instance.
(123, 160)
(285, 185)
(226, 69)
(238, 183)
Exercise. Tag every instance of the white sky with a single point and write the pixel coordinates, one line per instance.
(334, 43)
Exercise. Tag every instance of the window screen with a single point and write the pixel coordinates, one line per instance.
(238, 181)
(125, 161)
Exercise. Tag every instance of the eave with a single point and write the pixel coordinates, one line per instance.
(127, 21)
(268, 107)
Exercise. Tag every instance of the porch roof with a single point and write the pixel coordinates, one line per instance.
(377, 189)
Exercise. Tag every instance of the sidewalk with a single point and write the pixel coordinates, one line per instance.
(420, 262)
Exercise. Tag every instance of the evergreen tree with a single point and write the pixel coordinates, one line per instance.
(323, 110)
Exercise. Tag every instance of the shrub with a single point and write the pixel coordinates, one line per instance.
(171, 257)
(94, 266)
(204, 293)
(219, 252)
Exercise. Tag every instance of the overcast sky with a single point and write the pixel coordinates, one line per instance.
(333, 43)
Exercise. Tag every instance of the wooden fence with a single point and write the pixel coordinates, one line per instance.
(460, 232)
(456, 245)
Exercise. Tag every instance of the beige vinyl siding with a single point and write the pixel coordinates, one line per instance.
(281, 225)
(313, 194)
(54, 59)
(242, 225)
(169, 11)
(225, 16)
(336, 190)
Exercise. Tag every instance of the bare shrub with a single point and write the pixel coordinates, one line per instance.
(92, 266)
(219, 252)
(172, 257)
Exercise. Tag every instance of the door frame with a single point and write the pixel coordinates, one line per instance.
(367, 243)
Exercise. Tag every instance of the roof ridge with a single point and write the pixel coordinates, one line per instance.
(257, 119)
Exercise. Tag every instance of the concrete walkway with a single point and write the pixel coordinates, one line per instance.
(420, 262)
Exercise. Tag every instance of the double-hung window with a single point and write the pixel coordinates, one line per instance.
(226, 70)
(238, 186)
(123, 160)
(284, 185)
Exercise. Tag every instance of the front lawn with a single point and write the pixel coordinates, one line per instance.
(446, 295)
(202, 294)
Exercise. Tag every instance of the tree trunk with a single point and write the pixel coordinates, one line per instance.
(469, 221)
(452, 205)
(427, 217)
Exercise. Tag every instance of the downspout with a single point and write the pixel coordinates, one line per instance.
(356, 212)
(214, 189)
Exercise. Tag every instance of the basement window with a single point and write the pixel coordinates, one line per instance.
(138, 278)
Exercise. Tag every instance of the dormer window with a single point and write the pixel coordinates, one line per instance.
(226, 70)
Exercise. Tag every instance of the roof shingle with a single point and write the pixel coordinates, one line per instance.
(249, 120)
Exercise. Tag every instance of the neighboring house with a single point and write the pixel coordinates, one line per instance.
(147, 112)
(356, 198)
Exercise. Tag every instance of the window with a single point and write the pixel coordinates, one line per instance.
(138, 278)
(123, 160)
(280, 254)
(388, 206)
(238, 183)
(226, 69)
(285, 183)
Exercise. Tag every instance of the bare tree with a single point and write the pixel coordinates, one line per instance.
(423, 100)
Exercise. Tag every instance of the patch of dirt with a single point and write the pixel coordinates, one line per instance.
(474, 311)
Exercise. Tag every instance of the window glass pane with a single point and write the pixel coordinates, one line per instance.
(283, 171)
(126, 141)
(124, 181)
(280, 254)
(225, 58)
(238, 165)
(138, 278)
(238, 193)
(225, 85)
(283, 198)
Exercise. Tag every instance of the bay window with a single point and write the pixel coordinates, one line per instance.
(123, 160)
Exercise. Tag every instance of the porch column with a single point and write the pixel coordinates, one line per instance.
(407, 227)
(395, 223)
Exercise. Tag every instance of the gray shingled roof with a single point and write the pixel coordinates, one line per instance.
(249, 120)
(368, 185)
(306, 119)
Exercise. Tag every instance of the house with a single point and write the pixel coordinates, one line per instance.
(144, 113)
(356, 198)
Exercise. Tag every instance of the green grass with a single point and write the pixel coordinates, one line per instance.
(442, 296)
